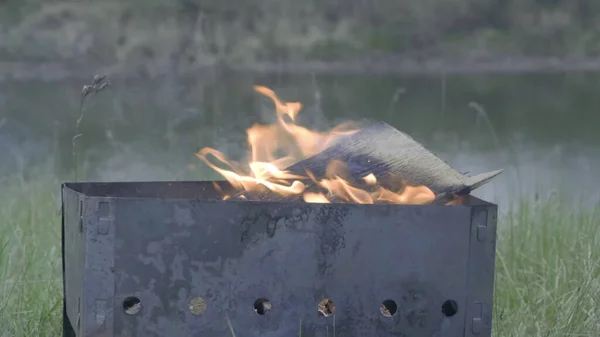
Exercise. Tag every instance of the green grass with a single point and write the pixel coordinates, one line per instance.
(547, 267)
(547, 272)
(30, 258)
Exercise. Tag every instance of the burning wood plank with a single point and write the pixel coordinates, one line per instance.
(389, 157)
(364, 162)
(380, 150)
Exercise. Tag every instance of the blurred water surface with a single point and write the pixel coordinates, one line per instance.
(543, 129)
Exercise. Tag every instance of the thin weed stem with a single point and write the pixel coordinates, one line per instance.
(99, 83)
(483, 115)
(395, 99)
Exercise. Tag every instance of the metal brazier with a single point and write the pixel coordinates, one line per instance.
(170, 259)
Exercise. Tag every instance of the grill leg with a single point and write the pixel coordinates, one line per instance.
(68, 330)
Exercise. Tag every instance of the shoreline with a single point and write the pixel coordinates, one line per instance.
(60, 71)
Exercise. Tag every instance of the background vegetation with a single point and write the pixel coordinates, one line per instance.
(157, 36)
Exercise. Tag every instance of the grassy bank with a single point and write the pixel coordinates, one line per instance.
(547, 266)
(30, 258)
(155, 36)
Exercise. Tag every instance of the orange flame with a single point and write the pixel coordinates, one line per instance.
(265, 170)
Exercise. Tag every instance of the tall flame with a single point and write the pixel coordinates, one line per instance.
(265, 170)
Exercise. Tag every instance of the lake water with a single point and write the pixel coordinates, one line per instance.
(543, 129)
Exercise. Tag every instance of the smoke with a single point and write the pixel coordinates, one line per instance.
(19, 148)
(135, 165)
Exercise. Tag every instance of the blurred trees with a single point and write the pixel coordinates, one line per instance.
(206, 31)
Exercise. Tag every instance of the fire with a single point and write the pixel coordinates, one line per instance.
(265, 170)
(339, 187)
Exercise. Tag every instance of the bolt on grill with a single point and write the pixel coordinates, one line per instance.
(173, 259)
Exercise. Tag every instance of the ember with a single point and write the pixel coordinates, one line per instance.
(354, 162)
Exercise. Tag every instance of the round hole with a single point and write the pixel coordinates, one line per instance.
(197, 306)
(326, 307)
(388, 308)
(132, 305)
(262, 305)
(449, 308)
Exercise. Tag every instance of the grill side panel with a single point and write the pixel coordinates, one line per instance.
(98, 292)
(73, 257)
(480, 286)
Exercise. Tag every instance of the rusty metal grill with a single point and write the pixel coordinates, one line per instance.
(170, 259)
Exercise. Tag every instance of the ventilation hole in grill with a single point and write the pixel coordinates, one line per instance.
(197, 306)
(326, 307)
(449, 308)
(132, 305)
(262, 305)
(388, 308)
